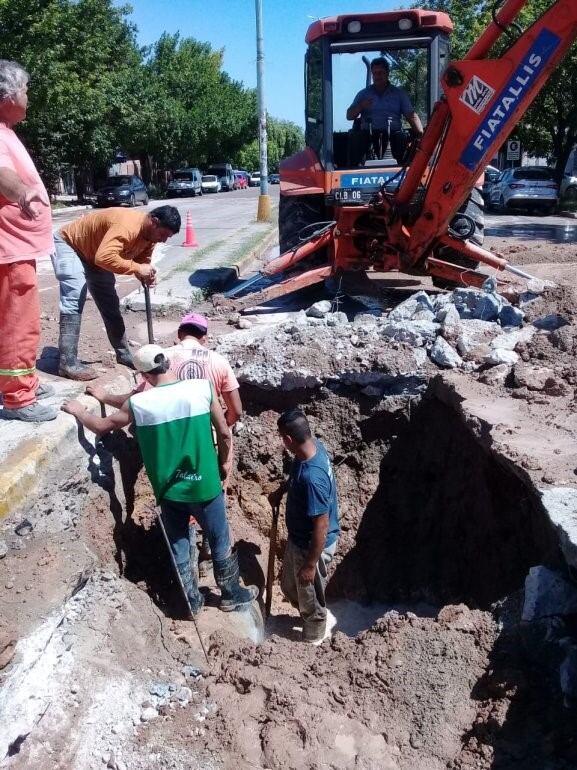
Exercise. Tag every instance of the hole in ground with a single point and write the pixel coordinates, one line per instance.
(428, 513)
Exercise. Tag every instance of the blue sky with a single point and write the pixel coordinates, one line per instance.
(230, 24)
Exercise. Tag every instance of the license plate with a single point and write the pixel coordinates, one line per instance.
(348, 195)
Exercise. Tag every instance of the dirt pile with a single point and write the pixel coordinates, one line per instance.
(395, 697)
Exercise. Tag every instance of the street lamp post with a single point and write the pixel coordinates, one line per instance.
(263, 214)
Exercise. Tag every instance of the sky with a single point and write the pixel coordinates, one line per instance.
(230, 24)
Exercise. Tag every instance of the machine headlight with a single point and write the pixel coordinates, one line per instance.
(405, 24)
(353, 27)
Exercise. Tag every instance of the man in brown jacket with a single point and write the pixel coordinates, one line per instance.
(89, 252)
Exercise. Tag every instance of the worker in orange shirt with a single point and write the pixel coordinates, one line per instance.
(89, 253)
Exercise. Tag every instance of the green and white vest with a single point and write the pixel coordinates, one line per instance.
(174, 432)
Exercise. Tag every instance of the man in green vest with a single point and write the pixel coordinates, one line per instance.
(172, 423)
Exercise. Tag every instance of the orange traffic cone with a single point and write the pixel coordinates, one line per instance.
(189, 234)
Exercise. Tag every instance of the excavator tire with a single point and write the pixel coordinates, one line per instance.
(296, 212)
(474, 208)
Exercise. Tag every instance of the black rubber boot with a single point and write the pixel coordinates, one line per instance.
(233, 595)
(123, 354)
(190, 585)
(69, 365)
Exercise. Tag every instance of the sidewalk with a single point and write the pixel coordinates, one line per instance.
(187, 275)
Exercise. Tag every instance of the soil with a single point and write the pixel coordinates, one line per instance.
(429, 667)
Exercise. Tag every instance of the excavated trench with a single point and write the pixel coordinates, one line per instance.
(439, 530)
(428, 511)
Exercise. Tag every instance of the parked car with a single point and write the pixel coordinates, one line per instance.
(255, 179)
(274, 178)
(243, 173)
(491, 174)
(569, 187)
(185, 181)
(224, 173)
(240, 182)
(527, 187)
(210, 183)
(126, 189)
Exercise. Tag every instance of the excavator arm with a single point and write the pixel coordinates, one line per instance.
(483, 101)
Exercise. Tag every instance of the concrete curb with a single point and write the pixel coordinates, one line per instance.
(257, 252)
(23, 468)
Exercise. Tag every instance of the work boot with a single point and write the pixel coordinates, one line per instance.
(69, 365)
(233, 595)
(44, 391)
(34, 412)
(190, 586)
(123, 354)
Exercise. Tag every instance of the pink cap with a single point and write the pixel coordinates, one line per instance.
(195, 319)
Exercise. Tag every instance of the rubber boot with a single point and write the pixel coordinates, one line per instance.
(190, 585)
(123, 354)
(233, 595)
(69, 365)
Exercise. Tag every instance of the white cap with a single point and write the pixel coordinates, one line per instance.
(144, 358)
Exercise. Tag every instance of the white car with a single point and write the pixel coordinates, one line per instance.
(210, 184)
(526, 187)
(255, 179)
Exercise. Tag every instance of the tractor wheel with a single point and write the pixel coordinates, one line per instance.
(296, 212)
(474, 208)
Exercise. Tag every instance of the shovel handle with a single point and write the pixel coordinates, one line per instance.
(148, 313)
(270, 567)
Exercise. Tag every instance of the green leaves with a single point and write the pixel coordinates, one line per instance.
(93, 90)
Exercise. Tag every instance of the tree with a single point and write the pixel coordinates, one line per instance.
(549, 128)
(80, 56)
(284, 139)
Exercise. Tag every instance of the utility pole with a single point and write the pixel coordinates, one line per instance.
(263, 214)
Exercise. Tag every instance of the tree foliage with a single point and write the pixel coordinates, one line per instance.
(94, 91)
(549, 128)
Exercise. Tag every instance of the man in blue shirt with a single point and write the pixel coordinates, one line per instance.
(312, 522)
(380, 107)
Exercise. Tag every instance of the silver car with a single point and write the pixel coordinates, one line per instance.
(527, 187)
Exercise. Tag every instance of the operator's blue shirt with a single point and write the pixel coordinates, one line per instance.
(312, 491)
(392, 103)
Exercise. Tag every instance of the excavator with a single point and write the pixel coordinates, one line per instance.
(347, 207)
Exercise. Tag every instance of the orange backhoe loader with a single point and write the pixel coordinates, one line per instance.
(348, 205)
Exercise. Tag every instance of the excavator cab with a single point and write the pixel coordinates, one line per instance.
(346, 162)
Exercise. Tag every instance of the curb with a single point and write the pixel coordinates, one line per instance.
(257, 252)
(23, 468)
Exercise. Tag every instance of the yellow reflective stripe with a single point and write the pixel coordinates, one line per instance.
(16, 372)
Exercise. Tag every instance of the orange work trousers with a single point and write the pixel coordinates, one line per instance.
(19, 333)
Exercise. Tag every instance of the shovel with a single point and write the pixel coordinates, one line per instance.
(148, 314)
(270, 567)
